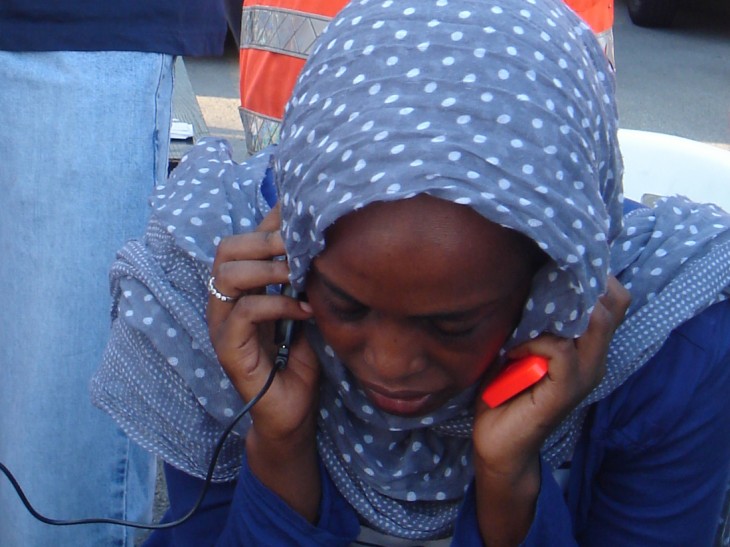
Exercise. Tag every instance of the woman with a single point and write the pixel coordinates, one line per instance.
(449, 183)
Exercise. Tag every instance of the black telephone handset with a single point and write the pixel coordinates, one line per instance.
(284, 333)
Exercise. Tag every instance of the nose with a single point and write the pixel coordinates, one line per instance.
(394, 351)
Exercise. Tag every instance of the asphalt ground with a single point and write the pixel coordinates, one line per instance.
(676, 80)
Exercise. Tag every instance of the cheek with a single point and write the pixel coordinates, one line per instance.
(481, 354)
(341, 340)
(470, 368)
(344, 340)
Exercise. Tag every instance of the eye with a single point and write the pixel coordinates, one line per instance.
(335, 301)
(345, 310)
(452, 329)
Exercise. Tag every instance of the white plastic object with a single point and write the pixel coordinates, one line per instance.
(658, 164)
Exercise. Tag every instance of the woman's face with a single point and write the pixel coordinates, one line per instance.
(417, 296)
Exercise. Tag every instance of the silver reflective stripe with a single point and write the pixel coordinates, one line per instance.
(260, 130)
(605, 38)
(281, 31)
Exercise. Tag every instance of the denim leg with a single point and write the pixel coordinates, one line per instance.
(84, 138)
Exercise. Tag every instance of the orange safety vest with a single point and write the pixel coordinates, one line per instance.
(597, 13)
(276, 38)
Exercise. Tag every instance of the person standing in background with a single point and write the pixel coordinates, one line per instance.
(85, 111)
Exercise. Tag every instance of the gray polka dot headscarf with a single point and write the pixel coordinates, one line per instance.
(502, 106)
(506, 107)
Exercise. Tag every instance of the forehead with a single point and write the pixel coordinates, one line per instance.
(427, 244)
(410, 223)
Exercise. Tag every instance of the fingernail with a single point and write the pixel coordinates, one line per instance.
(305, 307)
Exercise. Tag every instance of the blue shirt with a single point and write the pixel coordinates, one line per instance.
(175, 27)
(650, 468)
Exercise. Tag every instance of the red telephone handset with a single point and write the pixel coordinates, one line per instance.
(515, 378)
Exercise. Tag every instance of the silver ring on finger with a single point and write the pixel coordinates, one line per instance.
(213, 291)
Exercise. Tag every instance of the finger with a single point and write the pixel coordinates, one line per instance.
(272, 221)
(568, 381)
(237, 344)
(303, 356)
(616, 300)
(605, 319)
(556, 350)
(593, 345)
(253, 311)
(244, 263)
(238, 278)
(234, 279)
(247, 275)
(249, 246)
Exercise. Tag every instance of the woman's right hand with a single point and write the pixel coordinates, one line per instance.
(281, 447)
(242, 332)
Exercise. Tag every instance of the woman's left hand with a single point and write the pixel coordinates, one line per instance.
(507, 439)
(521, 424)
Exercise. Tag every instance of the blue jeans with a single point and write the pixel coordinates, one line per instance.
(84, 137)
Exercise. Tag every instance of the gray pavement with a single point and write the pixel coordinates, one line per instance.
(677, 80)
(215, 82)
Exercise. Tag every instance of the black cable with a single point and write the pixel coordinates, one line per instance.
(132, 524)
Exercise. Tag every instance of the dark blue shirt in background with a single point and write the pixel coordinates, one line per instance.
(175, 27)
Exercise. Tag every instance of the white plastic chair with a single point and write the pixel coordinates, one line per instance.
(657, 164)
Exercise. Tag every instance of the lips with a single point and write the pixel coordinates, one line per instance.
(404, 403)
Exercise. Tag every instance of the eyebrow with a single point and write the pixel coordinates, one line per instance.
(335, 289)
(438, 316)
